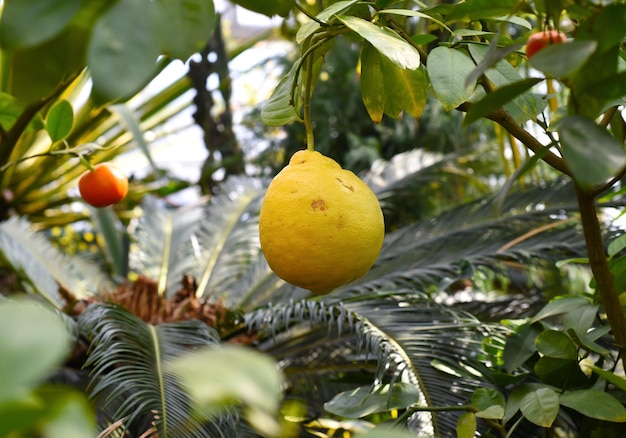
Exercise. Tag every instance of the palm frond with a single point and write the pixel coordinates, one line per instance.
(160, 234)
(418, 184)
(227, 239)
(536, 224)
(330, 348)
(43, 267)
(128, 360)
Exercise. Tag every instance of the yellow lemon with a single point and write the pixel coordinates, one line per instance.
(320, 225)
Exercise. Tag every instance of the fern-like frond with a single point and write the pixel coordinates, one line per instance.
(42, 267)
(159, 236)
(227, 240)
(537, 224)
(128, 360)
(410, 338)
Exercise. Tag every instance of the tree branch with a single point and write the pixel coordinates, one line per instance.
(504, 119)
(600, 268)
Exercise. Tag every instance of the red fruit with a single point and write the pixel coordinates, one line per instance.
(104, 185)
(539, 40)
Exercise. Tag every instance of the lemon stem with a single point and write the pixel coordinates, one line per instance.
(308, 80)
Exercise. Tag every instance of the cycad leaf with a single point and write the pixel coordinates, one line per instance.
(403, 337)
(42, 266)
(129, 361)
(160, 234)
(443, 249)
(227, 240)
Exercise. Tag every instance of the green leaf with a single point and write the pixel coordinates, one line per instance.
(618, 381)
(540, 406)
(59, 120)
(499, 98)
(268, 7)
(191, 23)
(553, 343)
(310, 27)
(385, 41)
(559, 372)
(612, 87)
(594, 404)
(501, 74)
(34, 342)
(386, 431)
(448, 70)
(466, 425)
(411, 13)
(560, 306)
(364, 400)
(372, 84)
(405, 90)
(220, 377)
(520, 346)
(280, 108)
(616, 245)
(490, 403)
(68, 415)
(592, 154)
(481, 9)
(560, 60)
(122, 43)
(26, 23)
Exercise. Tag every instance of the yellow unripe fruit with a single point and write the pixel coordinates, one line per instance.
(320, 226)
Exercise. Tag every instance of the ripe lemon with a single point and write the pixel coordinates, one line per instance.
(320, 225)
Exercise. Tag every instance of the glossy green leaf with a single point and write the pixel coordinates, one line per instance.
(501, 74)
(560, 60)
(372, 84)
(616, 245)
(618, 381)
(405, 90)
(63, 57)
(520, 346)
(192, 23)
(364, 400)
(592, 154)
(447, 71)
(481, 9)
(59, 120)
(385, 41)
(489, 402)
(499, 98)
(220, 377)
(25, 23)
(268, 7)
(310, 27)
(34, 342)
(540, 406)
(559, 372)
(466, 425)
(594, 404)
(280, 109)
(120, 42)
(554, 343)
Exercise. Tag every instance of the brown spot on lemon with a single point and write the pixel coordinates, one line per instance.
(320, 252)
(318, 204)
